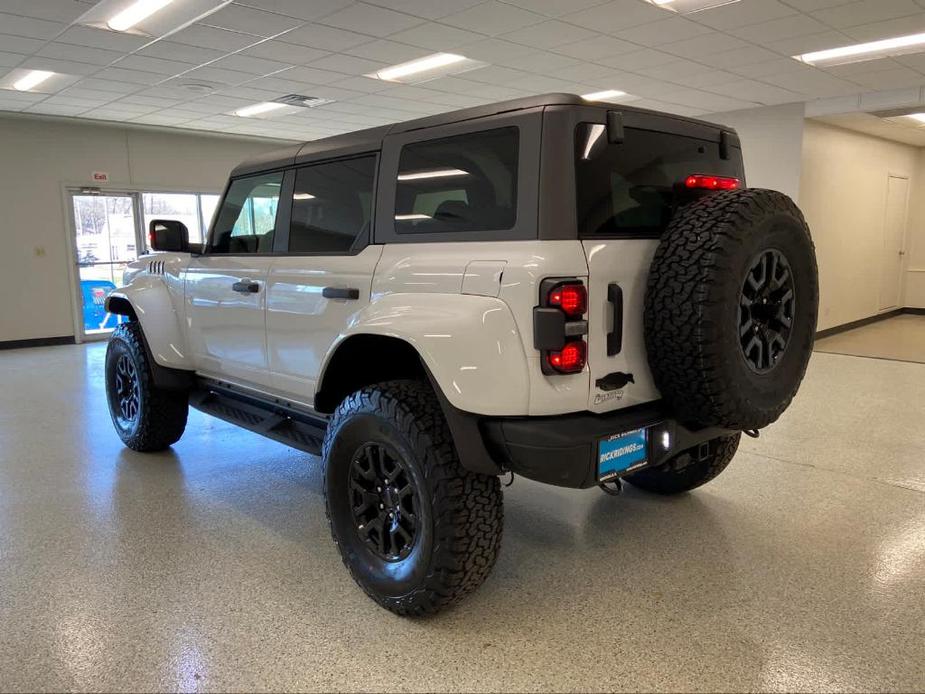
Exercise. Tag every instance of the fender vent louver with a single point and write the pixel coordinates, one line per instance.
(156, 267)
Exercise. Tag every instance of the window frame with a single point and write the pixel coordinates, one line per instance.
(283, 212)
(281, 242)
(529, 125)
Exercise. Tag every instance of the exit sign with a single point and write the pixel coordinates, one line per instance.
(100, 177)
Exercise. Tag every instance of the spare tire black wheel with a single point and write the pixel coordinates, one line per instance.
(730, 310)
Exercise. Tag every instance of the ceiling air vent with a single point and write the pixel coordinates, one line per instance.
(303, 101)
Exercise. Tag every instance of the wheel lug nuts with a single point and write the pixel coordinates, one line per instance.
(378, 489)
(381, 506)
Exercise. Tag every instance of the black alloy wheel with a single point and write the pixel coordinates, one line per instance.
(766, 310)
(384, 501)
(126, 391)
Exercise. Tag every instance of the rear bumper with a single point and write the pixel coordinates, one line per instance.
(562, 449)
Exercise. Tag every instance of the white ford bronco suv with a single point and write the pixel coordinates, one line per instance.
(573, 292)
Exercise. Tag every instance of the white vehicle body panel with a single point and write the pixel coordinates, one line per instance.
(227, 329)
(302, 325)
(625, 262)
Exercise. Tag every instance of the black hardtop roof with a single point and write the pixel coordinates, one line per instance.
(370, 139)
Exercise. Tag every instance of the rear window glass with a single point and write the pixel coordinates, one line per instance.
(461, 183)
(633, 188)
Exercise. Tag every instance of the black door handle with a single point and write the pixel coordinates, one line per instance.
(246, 287)
(615, 336)
(340, 293)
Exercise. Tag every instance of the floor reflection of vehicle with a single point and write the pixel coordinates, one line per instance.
(93, 293)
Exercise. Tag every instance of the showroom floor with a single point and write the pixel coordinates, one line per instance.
(901, 337)
(210, 566)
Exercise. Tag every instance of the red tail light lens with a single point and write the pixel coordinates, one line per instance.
(707, 182)
(570, 359)
(571, 298)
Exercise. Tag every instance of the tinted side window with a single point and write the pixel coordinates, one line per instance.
(461, 183)
(246, 221)
(331, 205)
(633, 188)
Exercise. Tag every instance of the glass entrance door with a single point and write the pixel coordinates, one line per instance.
(107, 237)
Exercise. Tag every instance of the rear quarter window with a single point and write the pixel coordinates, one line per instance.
(633, 188)
(463, 183)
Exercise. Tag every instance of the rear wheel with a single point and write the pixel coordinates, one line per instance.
(689, 469)
(416, 530)
(147, 418)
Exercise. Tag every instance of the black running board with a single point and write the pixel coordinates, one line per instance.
(274, 420)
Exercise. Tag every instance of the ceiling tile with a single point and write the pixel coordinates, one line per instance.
(428, 9)
(743, 13)
(309, 75)
(663, 31)
(550, 34)
(705, 44)
(737, 57)
(324, 37)
(492, 18)
(283, 52)
(783, 28)
(753, 90)
(149, 64)
(210, 37)
(555, 8)
(56, 10)
(64, 67)
(494, 74)
(109, 85)
(19, 44)
(300, 9)
(598, 46)
(674, 72)
(386, 51)
(10, 59)
(169, 50)
(805, 44)
(912, 24)
(250, 64)
(250, 21)
(98, 38)
(542, 62)
(214, 74)
(635, 60)
(495, 50)
(436, 37)
(370, 19)
(583, 72)
(348, 64)
(83, 54)
(360, 84)
(615, 16)
(30, 26)
(865, 11)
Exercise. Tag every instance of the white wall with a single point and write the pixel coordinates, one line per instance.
(772, 143)
(38, 156)
(843, 195)
(915, 241)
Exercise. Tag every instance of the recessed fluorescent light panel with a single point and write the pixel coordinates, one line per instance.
(427, 68)
(154, 18)
(918, 117)
(691, 6)
(859, 52)
(283, 106)
(260, 109)
(36, 80)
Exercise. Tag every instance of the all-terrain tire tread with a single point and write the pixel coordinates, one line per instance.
(467, 507)
(164, 412)
(680, 339)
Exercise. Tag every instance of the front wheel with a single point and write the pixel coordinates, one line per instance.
(689, 469)
(416, 530)
(147, 418)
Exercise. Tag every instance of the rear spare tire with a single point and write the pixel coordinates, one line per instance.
(730, 310)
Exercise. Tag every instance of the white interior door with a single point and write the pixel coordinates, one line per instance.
(894, 234)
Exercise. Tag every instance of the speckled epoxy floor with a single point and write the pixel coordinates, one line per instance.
(210, 567)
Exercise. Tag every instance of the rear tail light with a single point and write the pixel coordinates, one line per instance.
(707, 182)
(559, 326)
(570, 359)
(571, 298)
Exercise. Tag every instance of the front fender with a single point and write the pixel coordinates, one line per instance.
(470, 344)
(154, 307)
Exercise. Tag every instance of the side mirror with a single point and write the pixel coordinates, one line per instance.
(168, 235)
